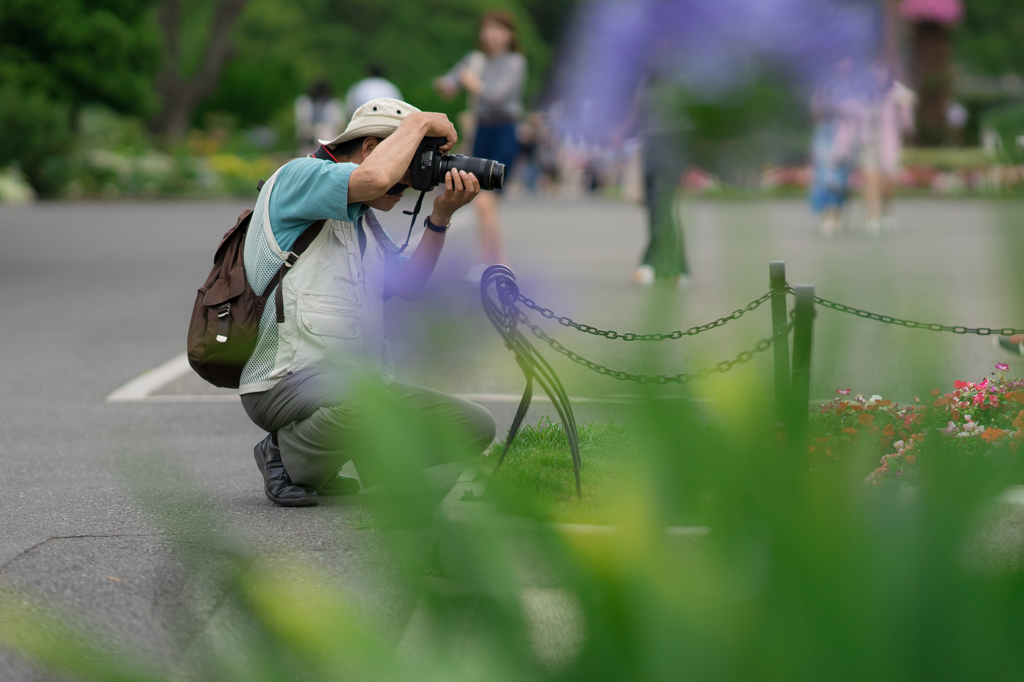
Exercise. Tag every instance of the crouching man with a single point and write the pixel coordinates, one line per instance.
(298, 384)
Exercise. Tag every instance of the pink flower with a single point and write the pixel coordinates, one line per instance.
(940, 11)
(1002, 366)
(843, 391)
(983, 384)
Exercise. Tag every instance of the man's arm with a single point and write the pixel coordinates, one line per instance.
(390, 160)
(408, 283)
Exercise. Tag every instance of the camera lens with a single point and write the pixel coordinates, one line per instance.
(491, 174)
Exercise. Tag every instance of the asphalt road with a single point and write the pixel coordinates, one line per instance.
(94, 294)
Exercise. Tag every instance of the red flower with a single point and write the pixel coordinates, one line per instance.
(866, 419)
(911, 459)
(889, 431)
(959, 384)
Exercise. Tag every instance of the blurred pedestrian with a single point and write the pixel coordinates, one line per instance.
(318, 116)
(495, 77)
(662, 132)
(836, 109)
(889, 115)
(531, 136)
(374, 86)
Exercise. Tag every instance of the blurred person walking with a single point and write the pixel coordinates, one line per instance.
(318, 116)
(663, 140)
(374, 86)
(495, 77)
(889, 115)
(836, 109)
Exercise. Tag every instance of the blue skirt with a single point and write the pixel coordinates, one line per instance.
(497, 142)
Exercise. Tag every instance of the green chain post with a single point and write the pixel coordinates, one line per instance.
(777, 278)
(803, 337)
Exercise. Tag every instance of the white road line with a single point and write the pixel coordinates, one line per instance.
(140, 388)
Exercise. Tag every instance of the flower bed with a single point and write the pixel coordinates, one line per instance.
(979, 419)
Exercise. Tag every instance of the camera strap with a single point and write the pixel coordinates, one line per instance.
(414, 213)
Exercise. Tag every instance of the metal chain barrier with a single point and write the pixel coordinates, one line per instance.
(630, 336)
(911, 324)
(682, 378)
(503, 312)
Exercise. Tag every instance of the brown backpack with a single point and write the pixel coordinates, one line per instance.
(226, 317)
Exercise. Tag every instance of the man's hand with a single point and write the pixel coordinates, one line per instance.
(437, 125)
(389, 161)
(460, 188)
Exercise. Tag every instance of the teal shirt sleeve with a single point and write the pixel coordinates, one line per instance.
(307, 190)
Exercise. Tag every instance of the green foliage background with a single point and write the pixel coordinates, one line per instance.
(58, 55)
(991, 36)
(283, 46)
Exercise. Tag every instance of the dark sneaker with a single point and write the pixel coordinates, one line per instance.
(339, 485)
(279, 488)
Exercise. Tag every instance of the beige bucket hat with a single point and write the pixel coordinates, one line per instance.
(376, 118)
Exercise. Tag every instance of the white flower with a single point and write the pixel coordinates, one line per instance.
(875, 398)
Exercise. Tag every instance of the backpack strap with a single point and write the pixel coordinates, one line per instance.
(301, 244)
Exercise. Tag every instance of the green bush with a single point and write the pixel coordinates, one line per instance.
(1008, 123)
(37, 136)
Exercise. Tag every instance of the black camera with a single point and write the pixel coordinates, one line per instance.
(429, 167)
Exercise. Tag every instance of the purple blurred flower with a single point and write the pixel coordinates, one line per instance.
(1002, 366)
(713, 47)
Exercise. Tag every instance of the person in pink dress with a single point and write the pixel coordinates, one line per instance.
(888, 116)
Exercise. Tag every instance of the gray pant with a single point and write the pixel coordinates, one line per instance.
(319, 421)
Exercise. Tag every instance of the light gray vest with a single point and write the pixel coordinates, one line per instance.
(333, 305)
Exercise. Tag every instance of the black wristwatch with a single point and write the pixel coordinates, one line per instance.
(440, 229)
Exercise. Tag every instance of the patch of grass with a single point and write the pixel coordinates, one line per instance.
(947, 158)
(536, 480)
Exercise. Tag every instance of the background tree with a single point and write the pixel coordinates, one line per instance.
(283, 45)
(197, 45)
(991, 37)
(59, 55)
(931, 24)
